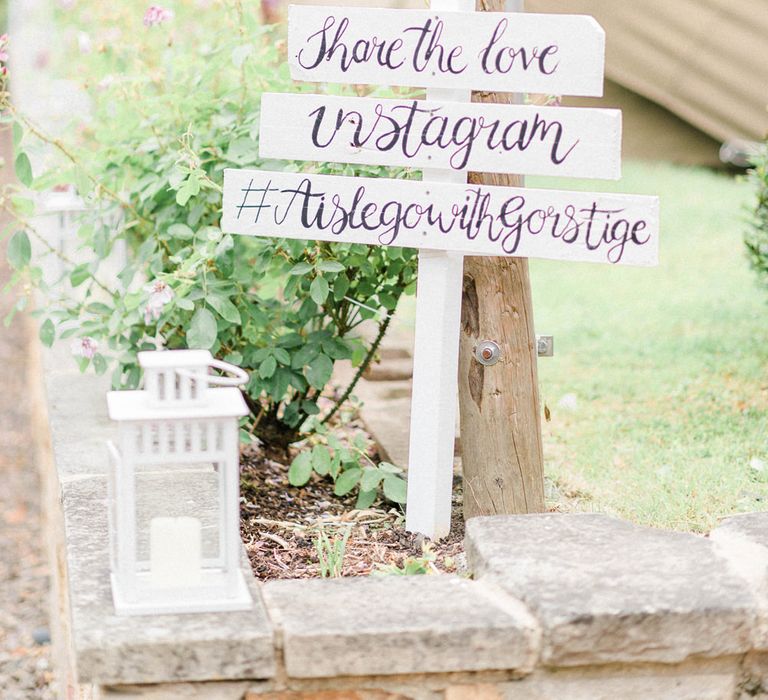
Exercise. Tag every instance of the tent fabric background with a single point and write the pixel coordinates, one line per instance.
(704, 60)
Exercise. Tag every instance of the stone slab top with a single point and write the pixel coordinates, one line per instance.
(751, 527)
(392, 625)
(607, 591)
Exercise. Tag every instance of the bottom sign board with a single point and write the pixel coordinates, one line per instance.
(617, 229)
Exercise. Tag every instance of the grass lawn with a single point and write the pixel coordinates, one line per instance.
(658, 390)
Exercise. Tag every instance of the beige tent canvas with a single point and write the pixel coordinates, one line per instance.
(704, 60)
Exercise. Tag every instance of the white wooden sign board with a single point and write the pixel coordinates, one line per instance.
(428, 134)
(502, 52)
(449, 50)
(617, 229)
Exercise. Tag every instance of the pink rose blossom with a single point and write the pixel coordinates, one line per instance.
(84, 347)
(159, 295)
(106, 82)
(156, 15)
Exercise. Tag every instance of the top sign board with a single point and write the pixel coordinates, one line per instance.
(495, 51)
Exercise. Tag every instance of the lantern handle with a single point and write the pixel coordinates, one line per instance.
(241, 376)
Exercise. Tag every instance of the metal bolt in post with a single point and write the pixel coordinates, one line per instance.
(487, 353)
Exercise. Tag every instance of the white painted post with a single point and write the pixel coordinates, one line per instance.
(436, 362)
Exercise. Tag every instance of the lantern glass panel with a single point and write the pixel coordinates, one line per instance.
(178, 490)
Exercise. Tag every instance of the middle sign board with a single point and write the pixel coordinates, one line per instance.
(575, 142)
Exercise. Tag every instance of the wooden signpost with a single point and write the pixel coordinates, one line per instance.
(449, 50)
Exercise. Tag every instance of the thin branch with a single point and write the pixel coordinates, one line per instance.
(363, 366)
(39, 237)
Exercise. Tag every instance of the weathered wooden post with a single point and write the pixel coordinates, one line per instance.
(502, 458)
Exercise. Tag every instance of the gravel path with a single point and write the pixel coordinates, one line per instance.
(25, 669)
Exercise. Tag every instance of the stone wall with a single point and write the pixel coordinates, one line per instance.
(560, 606)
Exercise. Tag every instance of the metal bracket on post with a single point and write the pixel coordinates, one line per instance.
(545, 345)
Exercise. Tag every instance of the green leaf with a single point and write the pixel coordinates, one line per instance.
(371, 479)
(389, 468)
(202, 330)
(236, 358)
(365, 499)
(300, 268)
(24, 169)
(99, 363)
(267, 367)
(243, 150)
(184, 194)
(330, 266)
(18, 134)
(340, 287)
(79, 275)
(347, 481)
(225, 308)
(395, 488)
(132, 300)
(304, 356)
(282, 356)
(47, 333)
(181, 231)
(23, 205)
(335, 466)
(318, 290)
(321, 459)
(318, 371)
(19, 250)
(300, 469)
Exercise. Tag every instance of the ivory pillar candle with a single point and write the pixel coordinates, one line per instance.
(175, 557)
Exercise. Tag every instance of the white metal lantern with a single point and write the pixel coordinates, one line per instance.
(174, 488)
(58, 219)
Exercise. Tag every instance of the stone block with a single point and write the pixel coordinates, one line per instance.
(111, 649)
(390, 370)
(79, 424)
(715, 679)
(177, 691)
(750, 527)
(608, 591)
(742, 540)
(397, 625)
(361, 694)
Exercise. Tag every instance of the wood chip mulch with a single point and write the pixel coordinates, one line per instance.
(281, 523)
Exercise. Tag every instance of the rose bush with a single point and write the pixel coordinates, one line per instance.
(175, 100)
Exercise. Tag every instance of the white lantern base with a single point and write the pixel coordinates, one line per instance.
(168, 601)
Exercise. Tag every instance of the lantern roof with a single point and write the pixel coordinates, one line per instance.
(136, 405)
(62, 201)
(151, 359)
